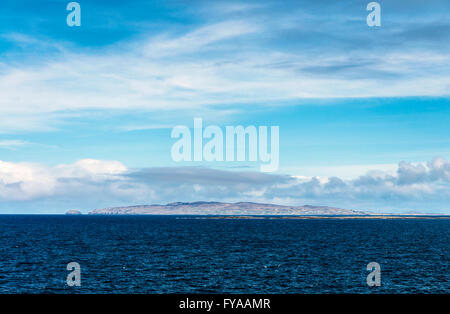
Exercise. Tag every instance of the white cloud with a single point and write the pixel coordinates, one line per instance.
(28, 181)
(11, 144)
(23, 181)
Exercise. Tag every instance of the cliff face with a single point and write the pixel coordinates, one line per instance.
(218, 208)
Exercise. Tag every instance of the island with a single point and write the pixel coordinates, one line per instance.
(221, 208)
(73, 212)
(249, 210)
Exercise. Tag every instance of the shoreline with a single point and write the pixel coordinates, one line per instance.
(321, 217)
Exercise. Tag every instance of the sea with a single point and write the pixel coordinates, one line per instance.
(185, 254)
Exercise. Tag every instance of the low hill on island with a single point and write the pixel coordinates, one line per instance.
(219, 208)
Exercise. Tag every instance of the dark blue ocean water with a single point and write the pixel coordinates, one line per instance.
(157, 254)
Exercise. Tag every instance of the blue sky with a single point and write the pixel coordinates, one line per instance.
(86, 112)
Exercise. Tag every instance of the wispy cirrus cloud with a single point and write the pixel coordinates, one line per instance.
(201, 38)
(212, 64)
(11, 144)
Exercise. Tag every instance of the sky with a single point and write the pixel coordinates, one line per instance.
(86, 113)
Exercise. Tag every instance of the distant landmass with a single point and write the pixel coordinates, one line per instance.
(73, 212)
(219, 208)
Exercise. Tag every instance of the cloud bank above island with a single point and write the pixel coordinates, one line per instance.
(110, 183)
